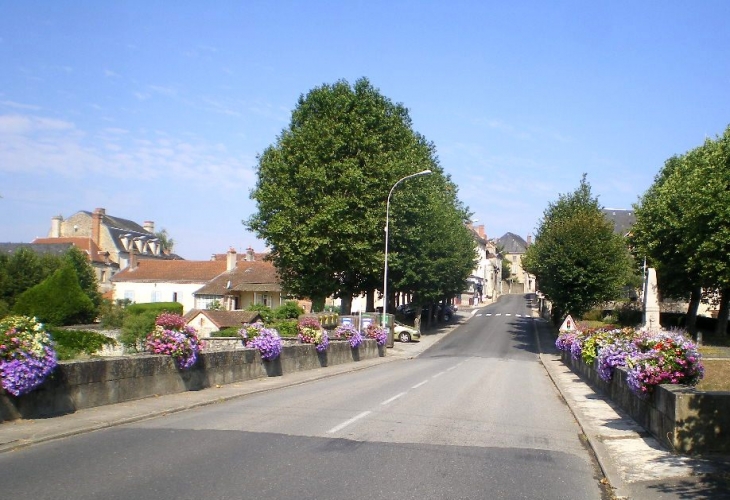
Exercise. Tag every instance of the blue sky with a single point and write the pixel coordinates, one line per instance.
(156, 110)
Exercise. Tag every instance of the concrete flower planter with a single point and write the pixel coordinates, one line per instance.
(77, 385)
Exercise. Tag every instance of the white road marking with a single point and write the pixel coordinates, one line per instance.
(419, 384)
(507, 314)
(488, 314)
(348, 422)
(392, 399)
(438, 374)
(498, 314)
(452, 368)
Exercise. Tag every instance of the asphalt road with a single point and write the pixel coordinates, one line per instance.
(474, 417)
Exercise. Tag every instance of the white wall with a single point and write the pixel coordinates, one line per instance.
(163, 292)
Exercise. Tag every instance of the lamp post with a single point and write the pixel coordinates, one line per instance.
(387, 217)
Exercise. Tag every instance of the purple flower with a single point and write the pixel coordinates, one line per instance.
(268, 343)
(27, 356)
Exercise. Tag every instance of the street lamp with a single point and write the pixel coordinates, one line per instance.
(387, 216)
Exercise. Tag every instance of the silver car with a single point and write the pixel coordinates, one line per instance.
(405, 333)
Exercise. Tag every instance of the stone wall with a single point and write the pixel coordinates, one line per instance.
(76, 385)
(682, 418)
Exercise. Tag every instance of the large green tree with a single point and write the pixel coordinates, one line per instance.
(657, 234)
(577, 259)
(432, 251)
(688, 221)
(322, 188)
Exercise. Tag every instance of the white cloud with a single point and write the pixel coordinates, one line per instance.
(47, 145)
(19, 105)
(22, 124)
(110, 74)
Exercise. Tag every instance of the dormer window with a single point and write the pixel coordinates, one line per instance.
(125, 241)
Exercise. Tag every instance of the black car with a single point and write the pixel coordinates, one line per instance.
(408, 311)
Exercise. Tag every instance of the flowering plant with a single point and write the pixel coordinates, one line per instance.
(266, 340)
(173, 337)
(664, 358)
(27, 356)
(349, 333)
(377, 333)
(311, 332)
(650, 358)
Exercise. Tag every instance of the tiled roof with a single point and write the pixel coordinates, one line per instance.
(86, 245)
(173, 271)
(512, 243)
(224, 319)
(253, 276)
(622, 219)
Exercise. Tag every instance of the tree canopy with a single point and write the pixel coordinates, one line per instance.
(577, 259)
(322, 189)
(683, 225)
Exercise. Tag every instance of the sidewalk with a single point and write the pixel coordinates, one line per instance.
(21, 433)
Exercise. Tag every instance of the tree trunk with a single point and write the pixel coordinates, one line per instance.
(370, 301)
(346, 305)
(694, 305)
(723, 314)
(318, 304)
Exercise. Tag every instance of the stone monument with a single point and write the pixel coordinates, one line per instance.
(651, 301)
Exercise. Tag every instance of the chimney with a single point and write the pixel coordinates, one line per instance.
(529, 240)
(96, 218)
(481, 232)
(250, 255)
(56, 226)
(132, 259)
(230, 259)
(149, 226)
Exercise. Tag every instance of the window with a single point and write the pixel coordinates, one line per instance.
(156, 296)
(174, 296)
(129, 295)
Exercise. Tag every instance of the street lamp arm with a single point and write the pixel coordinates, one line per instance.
(387, 218)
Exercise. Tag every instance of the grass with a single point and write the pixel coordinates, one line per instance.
(717, 375)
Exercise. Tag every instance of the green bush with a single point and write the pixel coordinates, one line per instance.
(289, 310)
(155, 307)
(57, 300)
(112, 314)
(135, 329)
(264, 311)
(595, 314)
(226, 332)
(72, 343)
(285, 327)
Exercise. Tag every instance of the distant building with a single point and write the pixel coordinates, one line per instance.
(110, 242)
(514, 248)
(622, 219)
(232, 284)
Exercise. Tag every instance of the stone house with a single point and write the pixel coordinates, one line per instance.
(484, 281)
(165, 280)
(514, 248)
(109, 241)
(245, 281)
(232, 284)
(206, 321)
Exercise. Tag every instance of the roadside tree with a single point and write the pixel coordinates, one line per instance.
(577, 259)
(322, 188)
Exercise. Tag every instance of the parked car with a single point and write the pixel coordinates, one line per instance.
(405, 333)
(408, 311)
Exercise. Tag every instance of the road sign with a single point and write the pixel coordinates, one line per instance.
(568, 324)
